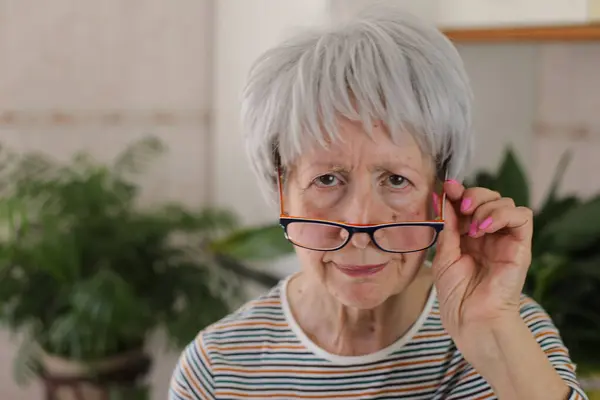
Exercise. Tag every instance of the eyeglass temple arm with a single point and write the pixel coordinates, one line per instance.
(443, 211)
(280, 188)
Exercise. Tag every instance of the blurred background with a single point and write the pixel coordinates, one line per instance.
(164, 76)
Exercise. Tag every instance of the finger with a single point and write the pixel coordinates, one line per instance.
(454, 190)
(498, 216)
(473, 198)
(482, 213)
(484, 210)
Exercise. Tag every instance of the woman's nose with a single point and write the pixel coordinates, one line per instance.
(360, 240)
(362, 207)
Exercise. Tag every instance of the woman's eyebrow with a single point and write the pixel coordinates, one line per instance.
(393, 165)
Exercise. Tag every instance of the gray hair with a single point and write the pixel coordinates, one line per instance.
(383, 65)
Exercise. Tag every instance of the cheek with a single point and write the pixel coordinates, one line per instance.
(311, 261)
(414, 210)
(305, 207)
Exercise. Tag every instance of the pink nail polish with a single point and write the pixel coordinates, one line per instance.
(473, 229)
(453, 181)
(466, 203)
(486, 223)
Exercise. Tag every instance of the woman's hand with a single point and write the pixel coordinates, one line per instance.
(482, 259)
(479, 270)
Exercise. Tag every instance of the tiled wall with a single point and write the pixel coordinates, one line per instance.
(96, 75)
(568, 117)
(541, 99)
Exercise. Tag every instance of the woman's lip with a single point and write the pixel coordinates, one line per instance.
(360, 270)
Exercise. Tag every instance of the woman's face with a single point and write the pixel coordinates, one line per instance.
(361, 180)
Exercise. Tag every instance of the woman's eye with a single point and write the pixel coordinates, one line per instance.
(397, 181)
(326, 180)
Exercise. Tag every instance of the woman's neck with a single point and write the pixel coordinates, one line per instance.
(348, 331)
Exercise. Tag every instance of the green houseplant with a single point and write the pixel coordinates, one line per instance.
(565, 273)
(87, 274)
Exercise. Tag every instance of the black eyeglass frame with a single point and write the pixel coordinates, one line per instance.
(370, 230)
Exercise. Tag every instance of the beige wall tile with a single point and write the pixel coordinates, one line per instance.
(108, 54)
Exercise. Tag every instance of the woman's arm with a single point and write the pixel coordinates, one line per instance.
(522, 358)
(480, 267)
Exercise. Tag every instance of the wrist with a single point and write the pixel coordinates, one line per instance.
(506, 354)
(482, 339)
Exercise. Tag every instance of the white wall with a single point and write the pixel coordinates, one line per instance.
(243, 31)
(505, 86)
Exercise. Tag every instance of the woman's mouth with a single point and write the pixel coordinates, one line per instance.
(360, 270)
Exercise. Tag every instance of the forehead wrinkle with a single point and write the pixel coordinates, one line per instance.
(382, 161)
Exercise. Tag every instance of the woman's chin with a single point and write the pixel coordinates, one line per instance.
(363, 293)
(361, 301)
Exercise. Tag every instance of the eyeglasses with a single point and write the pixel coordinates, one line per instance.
(325, 235)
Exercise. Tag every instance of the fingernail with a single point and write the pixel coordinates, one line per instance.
(466, 203)
(486, 223)
(473, 228)
(452, 181)
(436, 203)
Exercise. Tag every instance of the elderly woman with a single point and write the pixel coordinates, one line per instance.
(362, 132)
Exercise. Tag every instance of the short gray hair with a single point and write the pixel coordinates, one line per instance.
(382, 65)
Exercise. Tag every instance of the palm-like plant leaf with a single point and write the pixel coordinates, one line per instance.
(254, 244)
(88, 274)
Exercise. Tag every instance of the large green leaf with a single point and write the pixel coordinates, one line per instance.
(511, 181)
(254, 244)
(577, 228)
(551, 212)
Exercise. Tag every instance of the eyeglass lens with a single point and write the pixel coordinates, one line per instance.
(319, 236)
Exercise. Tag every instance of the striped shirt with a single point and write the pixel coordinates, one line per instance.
(260, 352)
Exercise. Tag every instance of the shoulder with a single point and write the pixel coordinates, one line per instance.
(264, 312)
(256, 321)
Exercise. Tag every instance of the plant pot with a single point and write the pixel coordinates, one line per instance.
(117, 377)
(61, 367)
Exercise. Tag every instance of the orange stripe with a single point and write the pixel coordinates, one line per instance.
(205, 356)
(544, 333)
(192, 380)
(430, 335)
(455, 370)
(181, 392)
(228, 325)
(485, 396)
(526, 300)
(467, 376)
(254, 370)
(235, 347)
(266, 302)
(556, 350)
(330, 396)
(532, 319)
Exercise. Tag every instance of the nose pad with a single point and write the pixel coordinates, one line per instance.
(360, 240)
